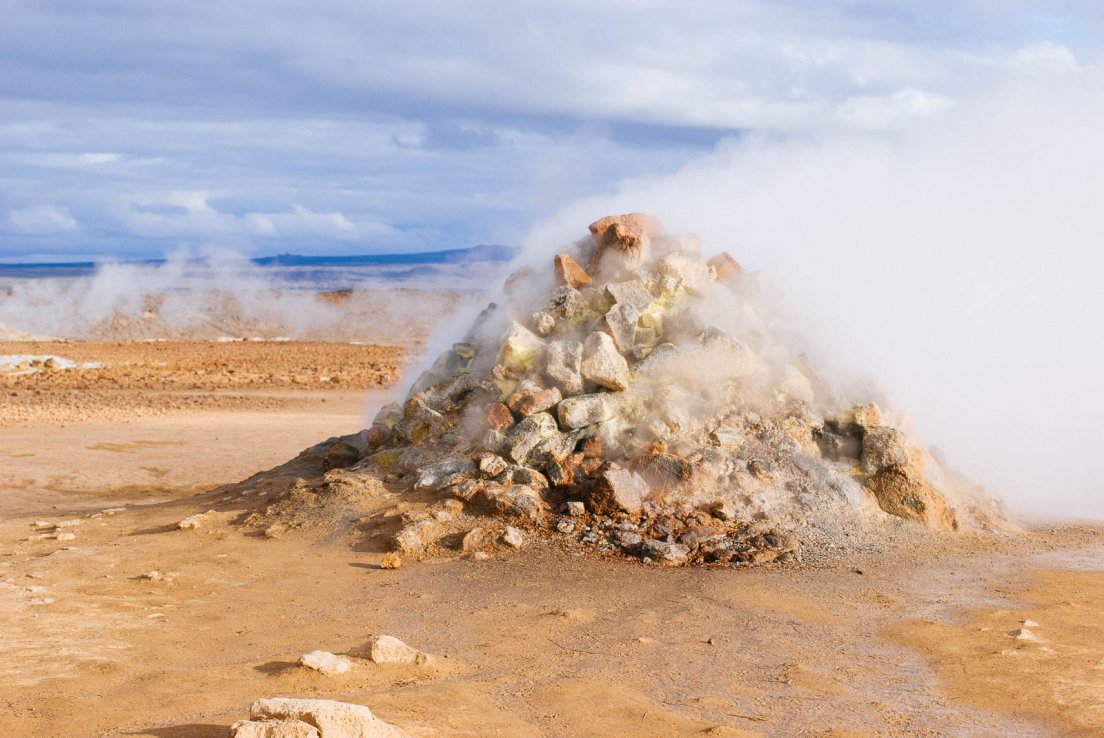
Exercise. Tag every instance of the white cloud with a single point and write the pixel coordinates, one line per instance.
(42, 220)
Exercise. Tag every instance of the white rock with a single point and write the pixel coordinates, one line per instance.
(512, 537)
(576, 509)
(1023, 634)
(387, 649)
(153, 576)
(333, 719)
(602, 364)
(563, 364)
(273, 729)
(584, 410)
(194, 521)
(65, 536)
(328, 663)
(1029, 624)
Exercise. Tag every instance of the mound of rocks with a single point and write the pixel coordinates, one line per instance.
(651, 404)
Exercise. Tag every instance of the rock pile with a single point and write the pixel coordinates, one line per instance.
(649, 404)
(283, 717)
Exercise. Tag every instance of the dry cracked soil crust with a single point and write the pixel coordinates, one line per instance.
(529, 643)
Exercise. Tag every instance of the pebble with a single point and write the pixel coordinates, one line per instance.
(512, 537)
(391, 561)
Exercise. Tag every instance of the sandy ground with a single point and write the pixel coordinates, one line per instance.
(530, 643)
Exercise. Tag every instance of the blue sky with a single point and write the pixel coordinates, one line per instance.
(141, 128)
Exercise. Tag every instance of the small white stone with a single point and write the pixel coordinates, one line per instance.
(512, 537)
(387, 649)
(1029, 624)
(576, 509)
(325, 662)
(1023, 634)
(65, 536)
(153, 576)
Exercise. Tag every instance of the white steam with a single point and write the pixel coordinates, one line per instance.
(958, 264)
(224, 294)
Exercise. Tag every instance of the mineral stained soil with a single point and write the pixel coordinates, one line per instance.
(529, 643)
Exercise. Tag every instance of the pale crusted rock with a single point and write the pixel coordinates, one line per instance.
(543, 322)
(585, 410)
(666, 553)
(679, 273)
(273, 729)
(576, 509)
(525, 436)
(491, 465)
(391, 561)
(512, 537)
(622, 323)
(884, 448)
(567, 304)
(569, 272)
(633, 293)
(333, 719)
(563, 365)
(326, 663)
(618, 491)
(195, 521)
(414, 538)
(387, 649)
(602, 364)
(473, 540)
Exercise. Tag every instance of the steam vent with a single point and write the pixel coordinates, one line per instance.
(632, 397)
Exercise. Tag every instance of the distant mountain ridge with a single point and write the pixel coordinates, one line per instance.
(470, 255)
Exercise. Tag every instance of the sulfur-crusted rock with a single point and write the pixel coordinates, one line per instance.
(602, 364)
(586, 410)
(563, 365)
(521, 348)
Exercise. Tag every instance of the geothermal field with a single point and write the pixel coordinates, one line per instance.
(603, 490)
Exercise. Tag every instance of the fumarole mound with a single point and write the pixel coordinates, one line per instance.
(632, 396)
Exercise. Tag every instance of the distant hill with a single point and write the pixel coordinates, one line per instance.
(472, 255)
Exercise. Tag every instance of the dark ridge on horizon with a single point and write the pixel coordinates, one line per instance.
(472, 254)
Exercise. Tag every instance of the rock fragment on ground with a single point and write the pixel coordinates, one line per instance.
(385, 649)
(326, 663)
(329, 718)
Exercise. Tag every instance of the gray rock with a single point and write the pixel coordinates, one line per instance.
(566, 303)
(665, 553)
(526, 435)
(415, 537)
(562, 364)
(584, 410)
(602, 364)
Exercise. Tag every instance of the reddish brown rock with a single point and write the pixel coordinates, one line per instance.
(725, 267)
(628, 235)
(533, 400)
(499, 417)
(569, 272)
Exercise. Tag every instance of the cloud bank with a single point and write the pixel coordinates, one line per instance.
(347, 126)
